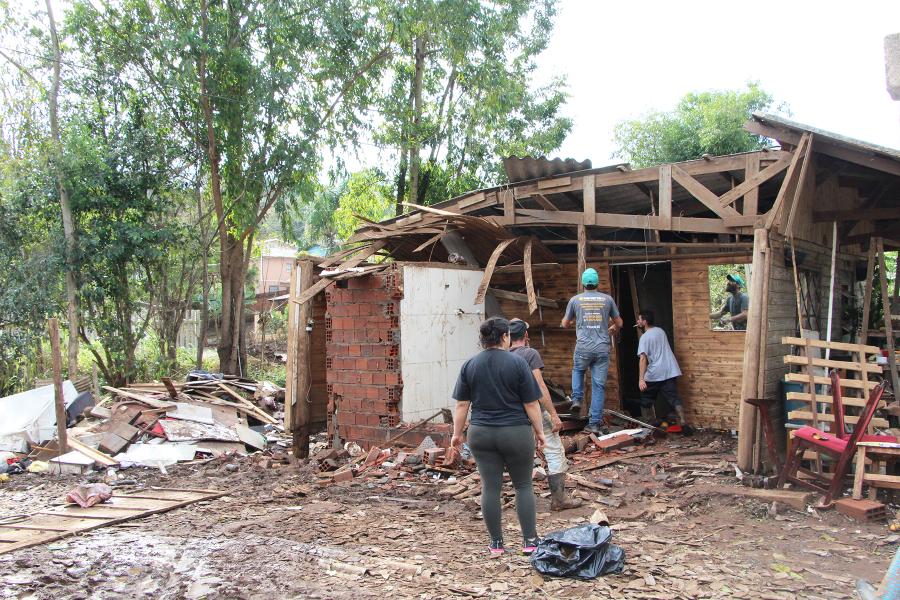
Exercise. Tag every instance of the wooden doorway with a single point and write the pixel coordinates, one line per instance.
(646, 285)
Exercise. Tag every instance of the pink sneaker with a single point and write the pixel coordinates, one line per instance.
(530, 546)
(496, 548)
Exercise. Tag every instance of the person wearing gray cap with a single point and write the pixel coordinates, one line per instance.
(554, 453)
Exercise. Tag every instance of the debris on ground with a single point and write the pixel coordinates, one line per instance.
(155, 424)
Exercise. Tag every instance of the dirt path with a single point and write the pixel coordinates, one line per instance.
(277, 536)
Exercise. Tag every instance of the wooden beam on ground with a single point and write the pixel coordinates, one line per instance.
(789, 184)
(582, 254)
(523, 298)
(59, 400)
(665, 197)
(489, 270)
(590, 200)
(751, 198)
(752, 182)
(752, 339)
(303, 349)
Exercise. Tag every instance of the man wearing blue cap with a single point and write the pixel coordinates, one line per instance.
(591, 312)
(736, 305)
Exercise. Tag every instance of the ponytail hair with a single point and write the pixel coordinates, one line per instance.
(491, 331)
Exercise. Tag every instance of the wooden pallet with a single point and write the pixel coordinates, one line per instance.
(51, 525)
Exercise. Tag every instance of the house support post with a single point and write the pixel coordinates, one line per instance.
(756, 331)
(302, 382)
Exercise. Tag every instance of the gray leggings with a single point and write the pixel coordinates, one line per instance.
(511, 447)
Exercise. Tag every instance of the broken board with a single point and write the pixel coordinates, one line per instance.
(51, 525)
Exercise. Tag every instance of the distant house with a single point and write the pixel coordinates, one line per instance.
(276, 260)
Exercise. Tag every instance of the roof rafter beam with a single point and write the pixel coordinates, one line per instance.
(827, 147)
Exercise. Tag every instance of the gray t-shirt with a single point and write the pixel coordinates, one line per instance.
(662, 364)
(735, 306)
(591, 312)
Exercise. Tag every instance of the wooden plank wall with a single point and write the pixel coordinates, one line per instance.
(558, 344)
(711, 361)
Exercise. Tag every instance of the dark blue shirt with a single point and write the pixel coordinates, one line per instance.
(498, 384)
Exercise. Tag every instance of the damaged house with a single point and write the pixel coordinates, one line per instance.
(375, 346)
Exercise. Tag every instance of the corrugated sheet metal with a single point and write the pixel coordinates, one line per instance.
(528, 168)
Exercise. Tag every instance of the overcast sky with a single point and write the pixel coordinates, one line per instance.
(824, 59)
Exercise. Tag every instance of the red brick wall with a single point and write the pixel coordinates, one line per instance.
(362, 340)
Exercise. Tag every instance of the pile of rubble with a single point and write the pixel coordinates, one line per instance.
(152, 425)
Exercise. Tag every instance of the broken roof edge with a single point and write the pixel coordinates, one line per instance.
(779, 122)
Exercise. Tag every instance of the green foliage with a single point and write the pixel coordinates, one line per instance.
(702, 123)
(479, 102)
(367, 194)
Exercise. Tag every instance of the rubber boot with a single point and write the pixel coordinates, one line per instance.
(558, 498)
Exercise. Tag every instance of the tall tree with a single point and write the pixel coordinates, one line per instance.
(701, 123)
(261, 88)
(461, 94)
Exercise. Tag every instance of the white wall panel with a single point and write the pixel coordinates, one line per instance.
(438, 333)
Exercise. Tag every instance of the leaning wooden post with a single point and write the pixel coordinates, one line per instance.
(302, 383)
(752, 340)
(582, 254)
(58, 386)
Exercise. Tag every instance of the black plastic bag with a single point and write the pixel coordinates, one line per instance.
(583, 552)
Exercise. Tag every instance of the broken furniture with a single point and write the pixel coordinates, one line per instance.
(879, 453)
(842, 450)
(813, 357)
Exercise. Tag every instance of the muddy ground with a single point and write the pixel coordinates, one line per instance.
(277, 534)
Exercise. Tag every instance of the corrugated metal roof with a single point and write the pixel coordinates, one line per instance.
(835, 138)
(528, 168)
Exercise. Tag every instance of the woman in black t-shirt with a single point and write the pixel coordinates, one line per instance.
(504, 429)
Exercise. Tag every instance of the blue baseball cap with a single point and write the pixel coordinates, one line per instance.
(736, 278)
(590, 277)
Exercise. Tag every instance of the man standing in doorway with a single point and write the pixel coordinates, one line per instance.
(736, 305)
(591, 312)
(554, 453)
(658, 370)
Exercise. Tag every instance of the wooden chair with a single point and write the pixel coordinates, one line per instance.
(839, 445)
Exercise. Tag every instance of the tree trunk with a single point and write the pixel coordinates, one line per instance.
(65, 206)
(417, 118)
(232, 272)
(204, 309)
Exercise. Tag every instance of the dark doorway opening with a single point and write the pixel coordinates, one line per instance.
(640, 286)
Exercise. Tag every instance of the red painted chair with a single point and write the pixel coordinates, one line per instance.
(839, 445)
